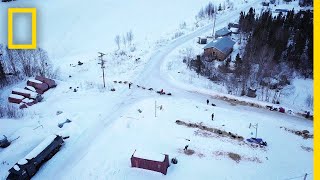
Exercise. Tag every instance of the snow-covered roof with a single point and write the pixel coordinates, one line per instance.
(234, 29)
(16, 96)
(25, 91)
(149, 155)
(45, 143)
(35, 81)
(22, 161)
(223, 44)
(31, 88)
(16, 167)
(27, 100)
(222, 32)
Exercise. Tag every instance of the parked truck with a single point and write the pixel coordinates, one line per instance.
(28, 166)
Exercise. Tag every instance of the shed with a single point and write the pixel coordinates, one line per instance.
(202, 40)
(38, 85)
(150, 161)
(222, 32)
(14, 98)
(219, 48)
(51, 83)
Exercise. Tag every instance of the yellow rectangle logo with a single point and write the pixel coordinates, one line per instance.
(33, 44)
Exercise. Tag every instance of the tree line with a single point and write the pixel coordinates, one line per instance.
(288, 39)
(18, 64)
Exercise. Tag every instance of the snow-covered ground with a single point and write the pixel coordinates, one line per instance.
(106, 126)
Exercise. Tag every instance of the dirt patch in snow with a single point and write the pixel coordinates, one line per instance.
(190, 152)
(236, 157)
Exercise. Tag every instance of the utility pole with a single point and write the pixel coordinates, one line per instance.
(214, 25)
(102, 62)
(256, 127)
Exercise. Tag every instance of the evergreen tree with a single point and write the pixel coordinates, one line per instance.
(2, 73)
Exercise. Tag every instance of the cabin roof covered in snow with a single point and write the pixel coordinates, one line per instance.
(222, 32)
(149, 155)
(45, 143)
(223, 44)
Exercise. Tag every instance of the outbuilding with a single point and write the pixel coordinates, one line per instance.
(150, 161)
(222, 32)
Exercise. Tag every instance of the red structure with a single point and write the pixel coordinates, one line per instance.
(38, 85)
(14, 98)
(25, 93)
(155, 162)
(51, 83)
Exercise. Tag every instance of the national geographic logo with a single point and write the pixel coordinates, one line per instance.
(33, 12)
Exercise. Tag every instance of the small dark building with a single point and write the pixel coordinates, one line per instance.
(219, 49)
(202, 40)
(265, 4)
(153, 162)
(223, 32)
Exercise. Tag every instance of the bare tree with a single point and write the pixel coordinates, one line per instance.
(130, 37)
(117, 41)
(124, 41)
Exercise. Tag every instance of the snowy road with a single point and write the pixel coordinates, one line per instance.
(82, 147)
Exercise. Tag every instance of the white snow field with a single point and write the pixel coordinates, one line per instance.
(107, 126)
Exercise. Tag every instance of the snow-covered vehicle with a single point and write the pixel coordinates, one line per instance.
(28, 166)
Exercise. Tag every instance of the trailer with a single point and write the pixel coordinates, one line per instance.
(28, 166)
